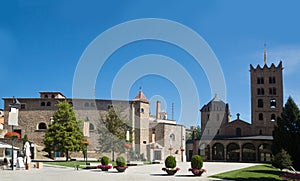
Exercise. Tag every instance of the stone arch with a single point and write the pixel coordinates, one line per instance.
(233, 152)
(204, 151)
(248, 152)
(42, 126)
(264, 152)
(218, 151)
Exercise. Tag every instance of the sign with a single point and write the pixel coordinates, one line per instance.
(13, 117)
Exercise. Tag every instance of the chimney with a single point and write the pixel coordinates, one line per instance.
(157, 109)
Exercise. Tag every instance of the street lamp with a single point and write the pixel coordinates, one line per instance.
(13, 121)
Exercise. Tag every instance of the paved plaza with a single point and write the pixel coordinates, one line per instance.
(146, 172)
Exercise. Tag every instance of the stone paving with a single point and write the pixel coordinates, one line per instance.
(145, 172)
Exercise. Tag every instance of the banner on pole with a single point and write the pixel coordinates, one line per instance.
(13, 117)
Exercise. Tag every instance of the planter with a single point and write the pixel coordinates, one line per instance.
(121, 169)
(196, 171)
(171, 172)
(104, 169)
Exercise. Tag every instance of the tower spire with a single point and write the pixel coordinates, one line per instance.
(265, 54)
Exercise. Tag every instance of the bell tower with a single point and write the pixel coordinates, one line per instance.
(266, 96)
(140, 108)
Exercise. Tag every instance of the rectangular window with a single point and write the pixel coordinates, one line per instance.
(260, 103)
(272, 80)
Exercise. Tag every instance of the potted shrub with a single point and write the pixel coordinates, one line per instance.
(104, 164)
(170, 165)
(121, 164)
(197, 164)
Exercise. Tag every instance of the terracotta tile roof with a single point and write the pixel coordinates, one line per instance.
(140, 97)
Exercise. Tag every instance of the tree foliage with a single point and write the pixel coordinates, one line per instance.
(64, 134)
(282, 160)
(112, 132)
(286, 134)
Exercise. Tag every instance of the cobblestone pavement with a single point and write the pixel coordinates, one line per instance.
(146, 172)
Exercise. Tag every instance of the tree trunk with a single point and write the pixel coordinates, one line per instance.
(67, 155)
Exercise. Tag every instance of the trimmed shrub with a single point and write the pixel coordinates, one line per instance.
(170, 162)
(104, 160)
(197, 162)
(121, 161)
(282, 160)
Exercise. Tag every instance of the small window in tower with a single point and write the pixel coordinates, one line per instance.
(46, 96)
(260, 116)
(142, 110)
(261, 80)
(172, 137)
(273, 117)
(207, 116)
(53, 96)
(260, 132)
(272, 80)
(48, 103)
(43, 104)
(272, 91)
(273, 103)
(262, 91)
(258, 91)
(238, 132)
(23, 106)
(258, 80)
(260, 103)
(91, 127)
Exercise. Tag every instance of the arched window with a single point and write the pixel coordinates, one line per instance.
(53, 96)
(92, 127)
(42, 126)
(172, 137)
(273, 117)
(48, 103)
(273, 103)
(86, 104)
(142, 110)
(260, 116)
(43, 104)
(260, 132)
(46, 96)
(238, 132)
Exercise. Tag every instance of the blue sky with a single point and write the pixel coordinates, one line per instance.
(41, 43)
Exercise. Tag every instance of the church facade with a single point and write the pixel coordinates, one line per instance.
(154, 136)
(223, 139)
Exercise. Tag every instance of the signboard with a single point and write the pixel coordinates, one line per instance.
(86, 129)
(13, 117)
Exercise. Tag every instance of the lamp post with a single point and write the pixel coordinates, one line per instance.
(13, 121)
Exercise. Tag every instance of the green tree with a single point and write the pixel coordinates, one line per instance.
(286, 134)
(282, 160)
(64, 134)
(112, 133)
